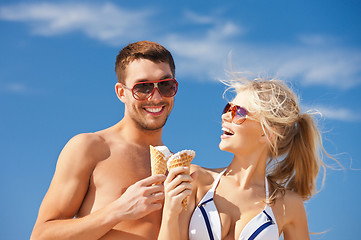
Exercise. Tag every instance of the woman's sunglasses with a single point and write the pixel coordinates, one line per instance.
(239, 114)
(143, 90)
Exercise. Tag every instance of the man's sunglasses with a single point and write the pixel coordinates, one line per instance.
(143, 90)
(239, 114)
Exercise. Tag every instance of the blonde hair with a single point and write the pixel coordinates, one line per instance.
(295, 141)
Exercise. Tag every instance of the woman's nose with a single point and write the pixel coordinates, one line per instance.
(227, 116)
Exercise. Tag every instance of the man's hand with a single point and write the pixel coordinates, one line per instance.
(142, 198)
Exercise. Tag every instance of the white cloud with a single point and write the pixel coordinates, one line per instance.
(105, 22)
(334, 67)
(17, 88)
(202, 50)
(340, 114)
(200, 57)
(314, 39)
(222, 28)
(334, 113)
(197, 18)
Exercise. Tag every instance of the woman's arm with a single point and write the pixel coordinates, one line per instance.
(175, 219)
(296, 226)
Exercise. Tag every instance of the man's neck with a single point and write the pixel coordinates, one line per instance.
(135, 134)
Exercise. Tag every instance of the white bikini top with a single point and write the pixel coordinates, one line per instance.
(205, 222)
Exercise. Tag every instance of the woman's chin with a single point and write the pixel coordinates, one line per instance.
(224, 147)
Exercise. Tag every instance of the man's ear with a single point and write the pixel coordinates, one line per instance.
(119, 90)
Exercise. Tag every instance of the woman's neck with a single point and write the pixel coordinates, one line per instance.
(248, 169)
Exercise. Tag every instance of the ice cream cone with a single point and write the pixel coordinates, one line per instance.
(159, 156)
(181, 159)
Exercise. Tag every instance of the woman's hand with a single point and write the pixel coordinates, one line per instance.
(177, 187)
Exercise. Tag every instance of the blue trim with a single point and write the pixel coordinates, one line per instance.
(209, 200)
(259, 230)
(209, 229)
(268, 216)
(262, 227)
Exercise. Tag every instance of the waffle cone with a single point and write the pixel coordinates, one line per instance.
(158, 161)
(181, 159)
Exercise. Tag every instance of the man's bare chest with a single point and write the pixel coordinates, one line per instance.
(122, 168)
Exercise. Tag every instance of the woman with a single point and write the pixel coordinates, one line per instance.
(260, 194)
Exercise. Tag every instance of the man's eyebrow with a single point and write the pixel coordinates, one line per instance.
(167, 76)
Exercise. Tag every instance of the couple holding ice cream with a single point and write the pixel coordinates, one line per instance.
(102, 188)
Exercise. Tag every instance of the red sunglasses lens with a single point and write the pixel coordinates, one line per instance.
(226, 108)
(142, 90)
(167, 88)
(238, 113)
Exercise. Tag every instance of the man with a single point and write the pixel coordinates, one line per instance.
(102, 188)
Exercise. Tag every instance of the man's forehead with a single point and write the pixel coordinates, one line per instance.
(147, 70)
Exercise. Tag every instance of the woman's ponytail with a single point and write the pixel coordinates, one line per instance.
(300, 166)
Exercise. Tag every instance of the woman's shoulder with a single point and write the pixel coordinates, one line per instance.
(290, 207)
(289, 200)
(292, 198)
(291, 215)
(205, 176)
(203, 179)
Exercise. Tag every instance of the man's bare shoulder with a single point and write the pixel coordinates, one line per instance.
(88, 141)
(89, 146)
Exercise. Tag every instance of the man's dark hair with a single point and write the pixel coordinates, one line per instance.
(142, 50)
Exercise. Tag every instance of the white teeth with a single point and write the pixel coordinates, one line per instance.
(154, 110)
(227, 130)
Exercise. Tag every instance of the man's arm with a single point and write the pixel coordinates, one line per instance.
(68, 189)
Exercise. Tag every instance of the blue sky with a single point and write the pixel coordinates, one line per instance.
(57, 80)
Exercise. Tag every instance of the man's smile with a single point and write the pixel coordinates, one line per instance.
(155, 110)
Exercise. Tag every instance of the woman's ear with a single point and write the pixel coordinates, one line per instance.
(119, 90)
(268, 136)
(264, 138)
